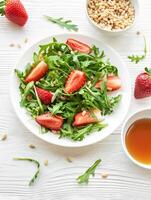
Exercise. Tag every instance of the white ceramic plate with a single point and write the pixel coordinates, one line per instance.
(113, 121)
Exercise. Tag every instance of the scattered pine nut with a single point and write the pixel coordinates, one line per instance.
(32, 146)
(62, 98)
(69, 159)
(4, 136)
(46, 162)
(19, 46)
(59, 53)
(105, 175)
(12, 45)
(83, 113)
(25, 40)
(29, 97)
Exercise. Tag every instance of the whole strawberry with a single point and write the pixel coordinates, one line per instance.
(14, 11)
(143, 84)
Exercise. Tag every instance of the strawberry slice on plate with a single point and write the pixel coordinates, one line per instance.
(37, 73)
(86, 117)
(44, 95)
(113, 83)
(75, 81)
(14, 11)
(49, 121)
(143, 85)
(78, 46)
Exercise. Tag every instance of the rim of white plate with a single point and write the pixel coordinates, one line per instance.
(66, 142)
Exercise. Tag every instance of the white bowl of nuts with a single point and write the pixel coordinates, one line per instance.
(112, 16)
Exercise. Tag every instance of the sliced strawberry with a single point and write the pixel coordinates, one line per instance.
(75, 81)
(49, 121)
(85, 117)
(98, 84)
(113, 83)
(143, 85)
(78, 46)
(14, 11)
(38, 72)
(44, 95)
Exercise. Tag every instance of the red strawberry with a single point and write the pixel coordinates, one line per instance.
(78, 46)
(86, 117)
(143, 85)
(113, 83)
(44, 95)
(49, 121)
(14, 11)
(37, 73)
(75, 81)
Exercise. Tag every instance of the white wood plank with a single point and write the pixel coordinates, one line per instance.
(58, 180)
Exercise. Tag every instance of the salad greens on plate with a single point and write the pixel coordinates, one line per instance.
(67, 87)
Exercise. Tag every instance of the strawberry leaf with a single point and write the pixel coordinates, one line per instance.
(148, 70)
(2, 7)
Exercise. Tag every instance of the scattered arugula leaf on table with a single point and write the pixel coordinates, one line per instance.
(63, 23)
(38, 168)
(84, 178)
(137, 58)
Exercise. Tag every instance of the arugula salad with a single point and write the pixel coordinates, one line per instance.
(67, 87)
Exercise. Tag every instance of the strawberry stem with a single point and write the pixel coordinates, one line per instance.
(2, 7)
(148, 71)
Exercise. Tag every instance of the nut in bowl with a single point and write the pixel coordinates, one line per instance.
(113, 16)
(136, 138)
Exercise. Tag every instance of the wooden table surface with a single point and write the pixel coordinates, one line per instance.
(57, 181)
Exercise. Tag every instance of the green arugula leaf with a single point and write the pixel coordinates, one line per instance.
(63, 23)
(56, 108)
(137, 58)
(28, 89)
(28, 69)
(19, 73)
(36, 58)
(43, 130)
(97, 53)
(38, 100)
(81, 133)
(84, 178)
(38, 168)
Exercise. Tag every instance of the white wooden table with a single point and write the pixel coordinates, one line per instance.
(57, 181)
